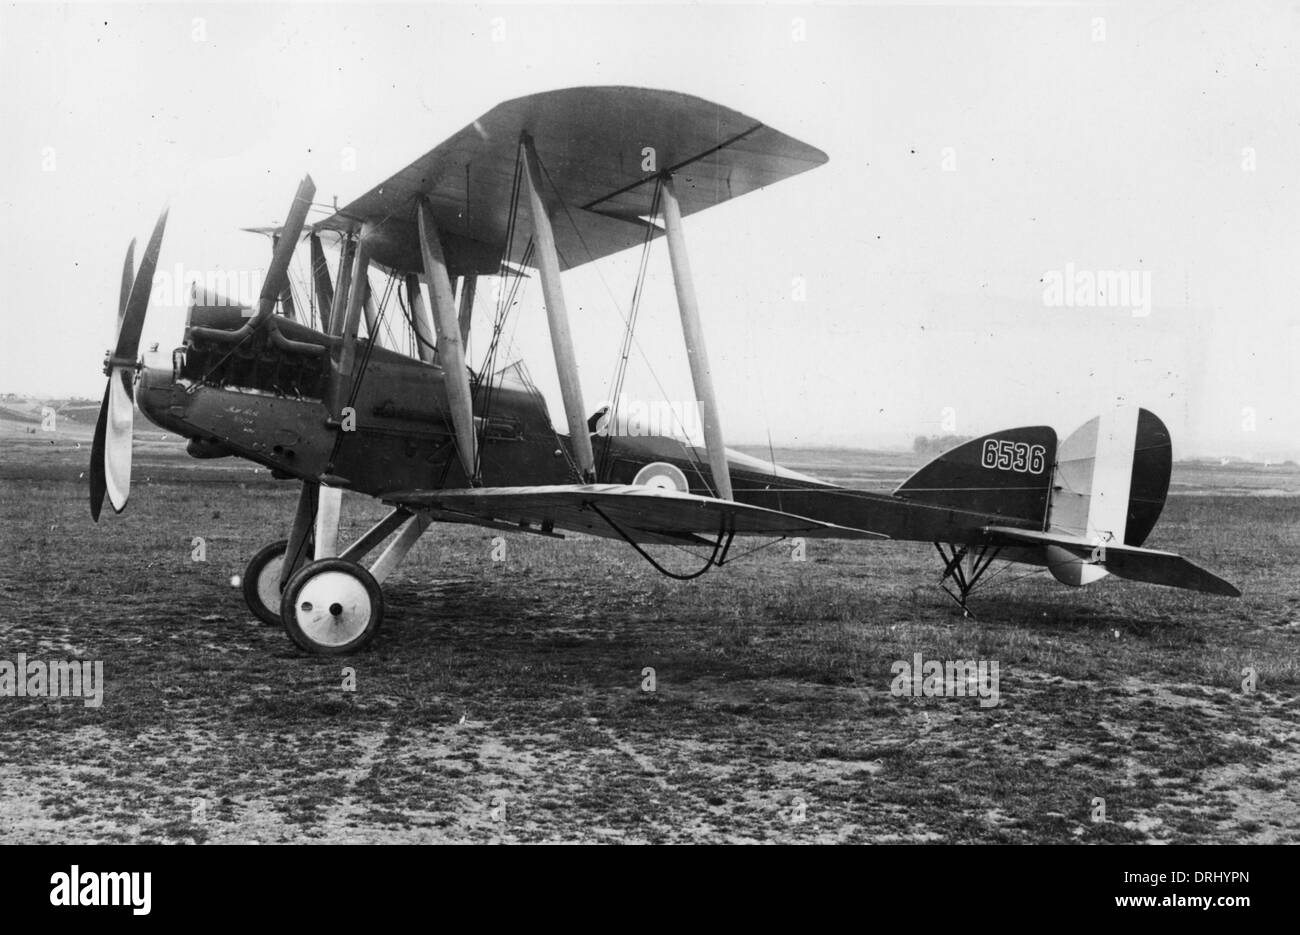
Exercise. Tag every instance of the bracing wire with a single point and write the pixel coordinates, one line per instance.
(689, 450)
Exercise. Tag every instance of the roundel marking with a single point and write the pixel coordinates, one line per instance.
(663, 475)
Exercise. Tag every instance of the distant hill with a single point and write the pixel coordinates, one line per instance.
(14, 415)
(14, 407)
(933, 445)
(79, 412)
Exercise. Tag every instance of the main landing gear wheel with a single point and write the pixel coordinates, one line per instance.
(332, 607)
(261, 581)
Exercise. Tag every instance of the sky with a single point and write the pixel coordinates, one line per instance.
(979, 155)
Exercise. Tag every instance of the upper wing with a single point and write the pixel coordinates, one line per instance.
(1125, 561)
(644, 514)
(594, 144)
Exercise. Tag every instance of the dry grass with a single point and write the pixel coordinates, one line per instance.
(503, 699)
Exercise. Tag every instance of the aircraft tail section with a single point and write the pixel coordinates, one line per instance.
(1108, 487)
(1082, 508)
(1006, 473)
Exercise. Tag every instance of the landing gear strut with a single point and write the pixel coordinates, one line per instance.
(977, 561)
(328, 603)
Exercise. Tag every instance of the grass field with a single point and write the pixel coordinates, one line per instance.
(504, 700)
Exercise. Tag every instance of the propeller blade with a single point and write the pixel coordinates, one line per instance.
(117, 438)
(128, 338)
(97, 483)
(128, 277)
(277, 276)
(320, 274)
(110, 452)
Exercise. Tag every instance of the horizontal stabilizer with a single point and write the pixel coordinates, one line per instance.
(1125, 561)
(644, 514)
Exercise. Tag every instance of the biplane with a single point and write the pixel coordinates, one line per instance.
(543, 184)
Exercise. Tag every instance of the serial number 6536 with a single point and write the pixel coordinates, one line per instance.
(1013, 456)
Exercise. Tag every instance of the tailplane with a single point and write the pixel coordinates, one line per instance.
(1077, 561)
